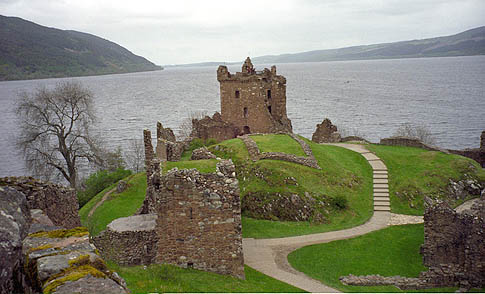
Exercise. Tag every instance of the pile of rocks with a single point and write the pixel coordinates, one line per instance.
(202, 153)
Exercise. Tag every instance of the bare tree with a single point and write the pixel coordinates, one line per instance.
(135, 156)
(54, 130)
(185, 128)
(419, 132)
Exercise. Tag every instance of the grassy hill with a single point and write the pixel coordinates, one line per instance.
(343, 173)
(470, 42)
(32, 51)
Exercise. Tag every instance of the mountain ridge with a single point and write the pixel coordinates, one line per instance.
(31, 51)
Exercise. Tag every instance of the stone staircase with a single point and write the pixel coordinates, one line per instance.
(380, 182)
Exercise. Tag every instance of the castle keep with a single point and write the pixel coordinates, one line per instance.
(254, 101)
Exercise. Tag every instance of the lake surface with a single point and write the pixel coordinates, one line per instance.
(371, 98)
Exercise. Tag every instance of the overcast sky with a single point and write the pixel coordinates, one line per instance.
(174, 32)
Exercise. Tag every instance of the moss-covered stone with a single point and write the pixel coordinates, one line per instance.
(72, 274)
(62, 233)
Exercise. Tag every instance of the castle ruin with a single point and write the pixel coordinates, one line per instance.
(251, 102)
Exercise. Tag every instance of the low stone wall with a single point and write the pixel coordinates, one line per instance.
(129, 240)
(58, 202)
(255, 154)
(476, 154)
(410, 142)
(202, 153)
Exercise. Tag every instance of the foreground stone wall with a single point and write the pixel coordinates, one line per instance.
(199, 220)
(58, 202)
(14, 225)
(38, 257)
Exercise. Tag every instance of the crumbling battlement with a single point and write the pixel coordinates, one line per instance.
(58, 202)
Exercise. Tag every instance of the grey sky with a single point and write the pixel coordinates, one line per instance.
(169, 32)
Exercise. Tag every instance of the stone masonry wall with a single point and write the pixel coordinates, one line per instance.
(477, 154)
(58, 202)
(199, 219)
(410, 142)
(326, 132)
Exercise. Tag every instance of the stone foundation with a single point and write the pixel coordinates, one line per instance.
(202, 153)
(410, 142)
(58, 202)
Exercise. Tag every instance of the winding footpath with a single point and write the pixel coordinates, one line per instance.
(269, 256)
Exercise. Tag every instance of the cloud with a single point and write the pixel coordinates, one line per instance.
(191, 31)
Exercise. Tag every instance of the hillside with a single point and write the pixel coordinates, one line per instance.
(471, 42)
(31, 51)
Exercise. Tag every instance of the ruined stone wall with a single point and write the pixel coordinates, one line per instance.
(455, 240)
(58, 202)
(477, 154)
(326, 132)
(199, 219)
(214, 128)
(255, 102)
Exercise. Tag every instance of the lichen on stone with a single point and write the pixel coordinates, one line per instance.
(71, 274)
(62, 233)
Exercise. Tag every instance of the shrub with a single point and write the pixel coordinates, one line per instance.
(197, 143)
(99, 181)
(339, 202)
(419, 132)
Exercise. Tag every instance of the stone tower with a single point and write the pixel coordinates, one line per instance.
(254, 101)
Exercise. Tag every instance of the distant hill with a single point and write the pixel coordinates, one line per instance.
(471, 42)
(31, 51)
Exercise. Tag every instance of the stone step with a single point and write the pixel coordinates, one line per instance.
(381, 186)
(380, 176)
(377, 165)
(381, 181)
(381, 203)
(380, 172)
(381, 198)
(370, 156)
(382, 208)
(386, 190)
(381, 194)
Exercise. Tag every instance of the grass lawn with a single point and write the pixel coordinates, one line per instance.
(414, 172)
(344, 173)
(278, 143)
(168, 278)
(203, 166)
(388, 252)
(118, 205)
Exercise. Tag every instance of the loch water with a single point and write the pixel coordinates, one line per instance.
(371, 98)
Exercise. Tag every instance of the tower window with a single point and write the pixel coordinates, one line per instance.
(245, 112)
(269, 109)
(237, 94)
(268, 94)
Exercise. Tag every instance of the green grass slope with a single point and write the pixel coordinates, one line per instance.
(169, 279)
(344, 174)
(415, 173)
(278, 143)
(388, 252)
(32, 51)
